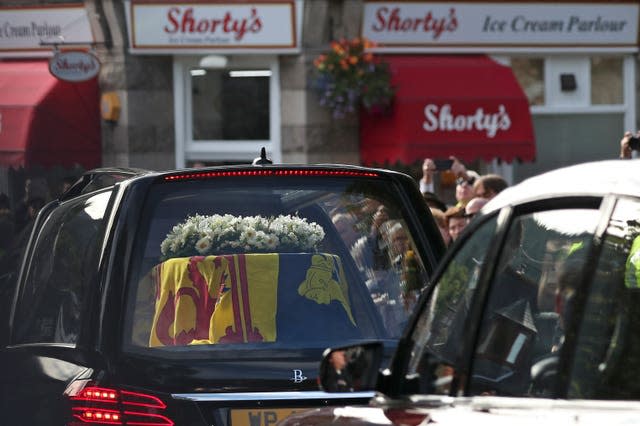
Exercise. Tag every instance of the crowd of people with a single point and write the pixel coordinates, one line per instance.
(16, 220)
(472, 192)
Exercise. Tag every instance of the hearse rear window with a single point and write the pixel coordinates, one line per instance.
(272, 261)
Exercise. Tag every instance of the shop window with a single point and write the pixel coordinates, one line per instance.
(530, 74)
(606, 81)
(220, 110)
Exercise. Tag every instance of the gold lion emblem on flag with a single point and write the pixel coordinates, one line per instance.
(320, 286)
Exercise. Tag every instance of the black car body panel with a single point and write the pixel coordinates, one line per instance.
(86, 290)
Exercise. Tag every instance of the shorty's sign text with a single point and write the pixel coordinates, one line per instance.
(29, 30)
(404, 24)
(259, 25)
(74, 66)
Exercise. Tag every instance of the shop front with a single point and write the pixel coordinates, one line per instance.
(49, 127)
(467, 106)
(517, 88)
(226, 72)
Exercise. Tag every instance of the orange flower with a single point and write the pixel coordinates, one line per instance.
(319, 61)
(355, 84)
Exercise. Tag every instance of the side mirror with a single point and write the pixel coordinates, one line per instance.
(351, 368)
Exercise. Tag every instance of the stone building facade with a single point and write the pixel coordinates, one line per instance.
(144, 135)
(154, 84)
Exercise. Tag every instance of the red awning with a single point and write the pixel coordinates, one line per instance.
(45, 121)
(467, 106)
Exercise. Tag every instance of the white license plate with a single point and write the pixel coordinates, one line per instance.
(261, 417)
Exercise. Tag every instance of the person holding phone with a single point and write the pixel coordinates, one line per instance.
(629, 144)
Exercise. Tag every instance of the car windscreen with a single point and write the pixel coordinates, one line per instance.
(283, 262)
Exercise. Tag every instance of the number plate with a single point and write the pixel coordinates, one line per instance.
(261, 417)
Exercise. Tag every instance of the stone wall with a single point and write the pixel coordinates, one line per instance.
(143, 136)
(309, 133)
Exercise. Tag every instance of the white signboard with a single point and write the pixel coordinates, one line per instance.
(74, 66)
(24, 30)
(206, 27)
(404, 24)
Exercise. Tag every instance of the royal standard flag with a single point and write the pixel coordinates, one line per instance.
(251, 298)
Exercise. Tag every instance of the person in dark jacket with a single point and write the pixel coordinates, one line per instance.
(338, 378)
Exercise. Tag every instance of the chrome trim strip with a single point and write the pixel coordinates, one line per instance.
(269, 396)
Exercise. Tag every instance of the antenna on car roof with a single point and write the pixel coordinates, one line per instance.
(262, 160)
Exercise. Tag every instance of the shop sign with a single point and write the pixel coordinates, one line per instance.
(411, 25)
(74, 66)
(442, 118)
(30, 31)
(259, 25)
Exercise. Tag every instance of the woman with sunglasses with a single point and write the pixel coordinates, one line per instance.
(464, 188)
(464, 182)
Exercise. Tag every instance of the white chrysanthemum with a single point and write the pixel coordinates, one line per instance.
(165, 246)
(260, 240)
(271, 241)
(203, 245)
(249, 236)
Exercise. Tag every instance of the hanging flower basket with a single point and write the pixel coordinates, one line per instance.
(348, 77)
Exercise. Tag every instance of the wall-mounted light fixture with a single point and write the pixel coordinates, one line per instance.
(213, 61)
(568, 82)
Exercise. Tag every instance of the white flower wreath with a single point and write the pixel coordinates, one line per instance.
(219, 234)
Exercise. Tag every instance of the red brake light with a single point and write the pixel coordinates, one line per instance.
(269, 172)
(97, 405)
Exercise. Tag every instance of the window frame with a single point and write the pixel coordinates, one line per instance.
(496, 279)
(505, 216)
(567, 362)
(187, 149)
(87, 304)
(413, 220)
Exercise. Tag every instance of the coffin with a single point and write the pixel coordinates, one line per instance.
(250, 298)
